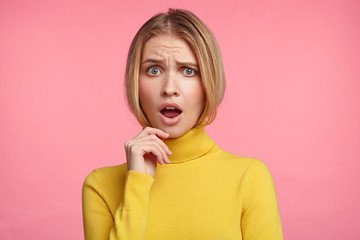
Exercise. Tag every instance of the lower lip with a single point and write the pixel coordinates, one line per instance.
(170, 121)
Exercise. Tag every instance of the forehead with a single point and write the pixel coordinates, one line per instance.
(168, 46)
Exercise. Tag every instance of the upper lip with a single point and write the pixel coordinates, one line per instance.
(162, 106)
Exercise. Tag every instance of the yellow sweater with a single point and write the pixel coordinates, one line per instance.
(205, 193)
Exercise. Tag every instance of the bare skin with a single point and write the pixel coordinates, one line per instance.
(146, 149)
(172, 98)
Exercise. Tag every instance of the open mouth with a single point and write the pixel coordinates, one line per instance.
(170, 112)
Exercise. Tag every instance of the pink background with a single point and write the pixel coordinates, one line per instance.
(292, 100)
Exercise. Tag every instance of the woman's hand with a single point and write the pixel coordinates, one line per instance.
(146, 149)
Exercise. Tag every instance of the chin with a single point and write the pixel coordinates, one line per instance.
(175, 131)
(175, 135)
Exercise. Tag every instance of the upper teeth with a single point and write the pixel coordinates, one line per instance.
(170, 108)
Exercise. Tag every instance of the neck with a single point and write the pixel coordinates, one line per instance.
(193, 144)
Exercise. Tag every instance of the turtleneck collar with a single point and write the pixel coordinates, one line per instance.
(191, 145)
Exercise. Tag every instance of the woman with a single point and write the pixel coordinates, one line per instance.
(177, 183)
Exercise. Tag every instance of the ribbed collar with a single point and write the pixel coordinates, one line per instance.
(189, 146)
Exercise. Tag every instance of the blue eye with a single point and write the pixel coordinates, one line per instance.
(189, 72)
(153, 71)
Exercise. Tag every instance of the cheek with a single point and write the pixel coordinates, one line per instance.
(196, 97)
(146, 96)
(198, 93)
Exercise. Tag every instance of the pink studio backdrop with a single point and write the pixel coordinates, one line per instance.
(292, 100)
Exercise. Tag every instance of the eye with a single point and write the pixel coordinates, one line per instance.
(153, 71)
(189, 72)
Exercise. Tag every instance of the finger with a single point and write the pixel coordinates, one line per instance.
(155, 131)
(145, 137)
(159, 146)
(156, 152)
(158, 140)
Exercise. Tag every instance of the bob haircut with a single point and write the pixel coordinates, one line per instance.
(190, 28)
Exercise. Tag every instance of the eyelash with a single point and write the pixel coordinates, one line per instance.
(193, 71)
(148, 71)
(150, 68)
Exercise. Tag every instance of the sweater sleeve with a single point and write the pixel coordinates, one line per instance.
(260, 218)
(130, 218)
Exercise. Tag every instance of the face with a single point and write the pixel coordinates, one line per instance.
(170, 88)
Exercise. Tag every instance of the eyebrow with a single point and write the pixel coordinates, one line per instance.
(151, 60)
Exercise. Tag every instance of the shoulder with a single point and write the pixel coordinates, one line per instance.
(253, 167)
(240, 163)
(256, 178)
(106, 175)
(237, 168)
(103, 187)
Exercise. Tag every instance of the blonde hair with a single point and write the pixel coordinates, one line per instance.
(190, 28)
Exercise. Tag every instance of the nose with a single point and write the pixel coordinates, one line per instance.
(169, 88)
